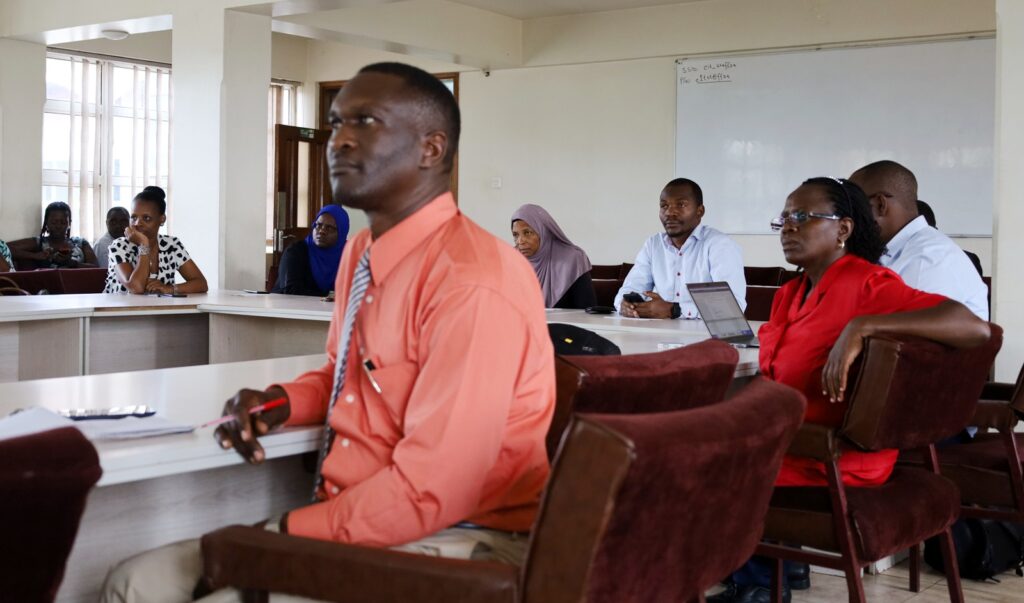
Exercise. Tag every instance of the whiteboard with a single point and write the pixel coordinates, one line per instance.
(750, 129)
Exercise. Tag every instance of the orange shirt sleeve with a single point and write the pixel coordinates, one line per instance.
(455, 424)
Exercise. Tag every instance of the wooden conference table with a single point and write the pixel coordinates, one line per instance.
(160, 490)
(85, 334)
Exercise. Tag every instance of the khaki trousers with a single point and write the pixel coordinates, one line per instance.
(170, 573)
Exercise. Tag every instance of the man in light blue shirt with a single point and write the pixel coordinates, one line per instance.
(687, 252)
(926, 259)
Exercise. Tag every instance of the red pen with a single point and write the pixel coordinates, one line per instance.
(252, 411)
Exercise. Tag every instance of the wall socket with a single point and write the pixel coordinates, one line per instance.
(495, 182)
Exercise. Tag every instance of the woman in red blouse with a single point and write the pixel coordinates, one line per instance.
(818, 324)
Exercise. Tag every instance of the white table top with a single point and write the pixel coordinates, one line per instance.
(644, 335)
(42, 307)
(190, 395)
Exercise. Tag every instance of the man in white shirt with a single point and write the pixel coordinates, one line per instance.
(687, 252)
(117, 221)
(926, 259)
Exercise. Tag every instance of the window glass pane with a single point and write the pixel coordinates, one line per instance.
(121, 87)
(54, 193)
(58, 79)
(121, 147)
(56, 149)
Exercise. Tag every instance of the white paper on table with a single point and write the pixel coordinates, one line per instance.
(130, 428)
(30, 421)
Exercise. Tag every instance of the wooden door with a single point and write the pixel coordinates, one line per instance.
(301, 186)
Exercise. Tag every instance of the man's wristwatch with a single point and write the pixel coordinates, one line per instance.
(677, 310)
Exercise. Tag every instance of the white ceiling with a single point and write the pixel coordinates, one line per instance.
(533, 9)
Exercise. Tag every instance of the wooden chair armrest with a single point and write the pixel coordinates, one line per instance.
(995, 390)
(252, 558)
(815, 441)
(992, 414)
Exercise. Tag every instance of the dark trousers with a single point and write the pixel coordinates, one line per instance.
(758, 572)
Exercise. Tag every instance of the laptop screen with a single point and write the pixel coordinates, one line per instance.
(719, 309)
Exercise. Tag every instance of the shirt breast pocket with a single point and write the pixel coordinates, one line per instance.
(393, 385)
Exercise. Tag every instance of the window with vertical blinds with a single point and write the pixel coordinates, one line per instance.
(106, 135)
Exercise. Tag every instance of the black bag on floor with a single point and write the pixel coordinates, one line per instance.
(984, 548)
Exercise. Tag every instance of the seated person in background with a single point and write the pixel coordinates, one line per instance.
(6, 262)
(308, 267)
(562, 268)
(925, 210)
(926, 259)
(817, 327)
(117, 221)
(145, 261)
(54, 247)
(687, 252)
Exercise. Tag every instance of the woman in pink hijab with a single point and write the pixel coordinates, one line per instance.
(562, 268)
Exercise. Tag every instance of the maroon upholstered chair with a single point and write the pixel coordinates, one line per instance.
(83, 280)
(604, 271)
(34, 281)
(686, 377)
(759, 302)
(908, 394)
(989, 470)
(639, 508)
(44, 480)
(761, 276)
(9, 287)
(605, 290)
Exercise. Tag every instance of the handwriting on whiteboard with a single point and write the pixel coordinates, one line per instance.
(709, 73)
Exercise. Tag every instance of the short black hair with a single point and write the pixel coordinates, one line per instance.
(698, 195)
(55, 206)
(923, 209)
(116, 209)
(433, 96)
(154, 194)
(849, 201)
(897, 175)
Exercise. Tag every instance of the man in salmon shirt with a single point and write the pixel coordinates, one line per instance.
(438, 422)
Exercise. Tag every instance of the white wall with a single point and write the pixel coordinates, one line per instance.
(22, 94)
(155, 46)
(331, 61)
(1008, 297)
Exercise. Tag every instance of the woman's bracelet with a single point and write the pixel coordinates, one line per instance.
(143, 250)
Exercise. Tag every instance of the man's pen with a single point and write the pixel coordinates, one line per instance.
(252, 411)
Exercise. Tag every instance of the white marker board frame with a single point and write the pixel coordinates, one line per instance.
(750, 129)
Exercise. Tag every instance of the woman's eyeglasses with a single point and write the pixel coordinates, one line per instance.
(324, 227)
(799, 218)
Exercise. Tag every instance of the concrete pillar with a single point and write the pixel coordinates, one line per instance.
(221, 70)
(22, 95)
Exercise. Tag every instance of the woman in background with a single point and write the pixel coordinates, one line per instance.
(562, 268)
(54, 247)
(6, 262)
(145, 261)
(817, 328)
(308, 267)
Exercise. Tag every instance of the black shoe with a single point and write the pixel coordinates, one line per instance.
(734, 593)
(799, 576)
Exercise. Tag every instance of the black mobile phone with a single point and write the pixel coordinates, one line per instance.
(173, 295)
(634, 298)
(600, 310)
(256, 291)
(117, 412)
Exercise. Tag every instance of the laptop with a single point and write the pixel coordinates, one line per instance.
(722, 315)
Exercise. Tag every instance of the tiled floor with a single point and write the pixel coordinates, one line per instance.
(893, 586)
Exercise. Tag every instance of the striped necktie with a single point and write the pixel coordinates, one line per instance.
(360, 280)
